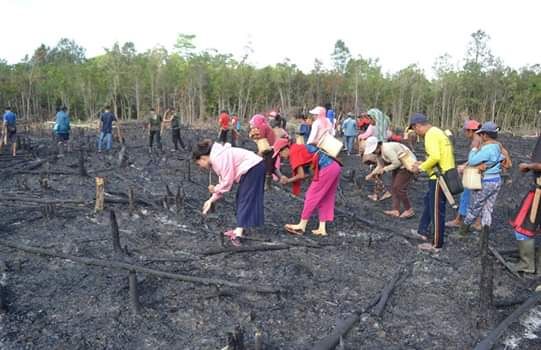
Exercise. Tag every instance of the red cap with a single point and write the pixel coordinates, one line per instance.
(471, 125)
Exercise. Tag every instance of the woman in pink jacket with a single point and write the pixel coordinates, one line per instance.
(232, 165)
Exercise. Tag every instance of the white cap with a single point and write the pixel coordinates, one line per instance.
(317, 111)
(370, 145)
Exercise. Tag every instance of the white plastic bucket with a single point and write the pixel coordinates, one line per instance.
(331, 145)
(471, 178)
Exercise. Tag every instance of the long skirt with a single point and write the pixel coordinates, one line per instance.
(250, 196)
(321, 194)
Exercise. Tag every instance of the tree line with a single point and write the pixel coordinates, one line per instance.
(200, 83)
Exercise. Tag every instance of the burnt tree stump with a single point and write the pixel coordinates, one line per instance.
(82, 168)
(100, 194)
(134, 295)
(115, 233)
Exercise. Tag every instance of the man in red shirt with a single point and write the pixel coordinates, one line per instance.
(224, 121)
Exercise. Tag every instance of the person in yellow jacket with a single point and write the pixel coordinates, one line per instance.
(439, 155)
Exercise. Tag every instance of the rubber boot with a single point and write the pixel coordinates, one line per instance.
(526, 251)
(463, 231)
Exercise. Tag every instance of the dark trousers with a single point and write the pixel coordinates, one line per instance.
(234, 137)
(399, 189)
(155, 134)
(223, 136)
(433, 213)
(177, 140)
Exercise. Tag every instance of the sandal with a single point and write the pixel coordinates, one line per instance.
(293, 231)
(392, 213)
(428, 247)
(407, 216)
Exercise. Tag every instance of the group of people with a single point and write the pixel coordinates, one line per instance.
(487, 157)
(384, 150)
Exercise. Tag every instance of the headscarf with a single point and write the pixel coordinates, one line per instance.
(382, 123)
(298, 157)
(258, 121)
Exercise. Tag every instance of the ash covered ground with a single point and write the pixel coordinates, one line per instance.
(55, 303)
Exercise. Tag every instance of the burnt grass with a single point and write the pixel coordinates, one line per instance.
(54, 303)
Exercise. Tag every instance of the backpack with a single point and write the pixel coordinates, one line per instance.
(507, 163)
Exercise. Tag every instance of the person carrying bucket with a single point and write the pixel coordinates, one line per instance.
(390, 153)
(321, 194)
(235, 165)
(470, 128)
(439, 154)
(320, 126)
(487, 158)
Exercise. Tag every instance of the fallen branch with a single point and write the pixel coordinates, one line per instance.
(505, 263)
(378, 303)
(258, 248)
(136, 268)
(492, 338)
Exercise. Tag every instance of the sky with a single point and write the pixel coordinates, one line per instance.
(396, 32)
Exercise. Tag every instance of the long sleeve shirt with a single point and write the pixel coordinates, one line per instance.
(370, 131)
(491, 154)
(389, 154)
(316, 133)
(439, 151)
(230, 163)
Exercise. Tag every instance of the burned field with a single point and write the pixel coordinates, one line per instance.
(171, 282)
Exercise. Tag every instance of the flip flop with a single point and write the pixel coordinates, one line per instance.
(428, 247)
(296, 232)
(408, 216)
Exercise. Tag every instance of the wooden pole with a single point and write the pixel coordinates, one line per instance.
(100, 193)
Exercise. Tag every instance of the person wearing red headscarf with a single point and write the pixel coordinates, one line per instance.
(321, 194)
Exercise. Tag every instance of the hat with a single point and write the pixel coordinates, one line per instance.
(318, 110)
(273, 114)
(370, 145)
(471, 124)
(418, 118)
(488, 127)
(279, 145)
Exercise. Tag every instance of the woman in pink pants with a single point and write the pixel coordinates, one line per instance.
(321, 193)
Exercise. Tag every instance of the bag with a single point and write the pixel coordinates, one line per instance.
(330, 144)
(507, 163)
(454, 184)
(471, 179)
(407, 158)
